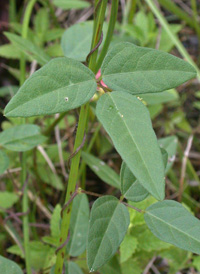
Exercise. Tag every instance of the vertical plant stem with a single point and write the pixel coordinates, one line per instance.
(73, 175)
(12, 11)
(25, 217)
(132, 11)
(25, 25)
(111, 27)
(81, 169)
(173, 37)
(195, 16)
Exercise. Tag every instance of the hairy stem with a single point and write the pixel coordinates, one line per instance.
(73, 175)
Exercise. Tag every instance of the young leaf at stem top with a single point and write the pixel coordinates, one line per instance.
(137, 70)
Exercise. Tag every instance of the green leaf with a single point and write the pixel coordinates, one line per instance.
(71, 4)
(41, 255)
(176, 258)
(4, 162)
(170, 145)
(172, 223)
(70, 268)
(160, 98)
(131, 265)
(127, 122)
(148, 242)
(9, 267)
(53, 34)
(50, 178)
(8, 90)
(76, 40)
(102, 170)
(108, 225)
(21, 138)
(130, 186)
(74, 268)
(9, 51)
(112, 267)
(55, 221)
(79, 225)
(127, 248)
(167, 44)
(139, 70)
(165, 157)
(41, 23)
(8, 199)
(55, 50)
(28, 48)
(196, 262)
(60, 85)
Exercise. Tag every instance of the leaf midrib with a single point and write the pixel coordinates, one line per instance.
(20, 139)
(172, 226)
(49, 92)
(137, 149)
(117, 204)
(146, 71)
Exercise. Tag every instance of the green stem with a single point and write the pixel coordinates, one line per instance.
(73, 175)
(111, 27)
(25, 25)
(12, 11)
(81, 169)
(25, 208)
(98, 24)
(195, 16)
(132, 11)
(173, 37)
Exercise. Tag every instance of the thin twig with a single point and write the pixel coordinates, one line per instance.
(184, 163)
(59, 144)
(155, 270)
(33, 67)
(46, 157)
(149, 265)
(91, 193)
(133, 207)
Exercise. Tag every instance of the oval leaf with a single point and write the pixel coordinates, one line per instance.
(172, 223)
(8, 199)
(76, 40)
(108, 225)
(130, 186)
(4, 162)
(60, 85)
(9, 267)
(139, 70)
(102, 170)
(21, 138)
(127, 122)
(79, 225)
